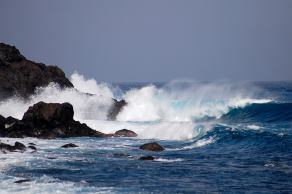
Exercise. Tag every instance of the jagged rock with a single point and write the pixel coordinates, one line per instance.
(125, 133)
(19, 76)
(116, 109)
(154, 146)
(49, 120)
(17, 147)
(32, 144)
(69, 145)
(146, 158)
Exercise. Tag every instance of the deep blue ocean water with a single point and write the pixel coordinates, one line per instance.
(247, 150)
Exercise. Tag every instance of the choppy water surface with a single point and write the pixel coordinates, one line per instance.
(219, 138)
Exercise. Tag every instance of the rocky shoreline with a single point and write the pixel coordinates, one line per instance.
(21, 77)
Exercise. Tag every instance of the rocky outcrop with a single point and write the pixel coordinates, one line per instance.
(48, 120)
(115, 109)
(125, 133)
(17, 147)
(19, 76)
(154, 146)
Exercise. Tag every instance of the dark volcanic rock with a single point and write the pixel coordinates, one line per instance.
(49, 114)
(19, 76)
(116, 109)
(22, 181)
(49, 120)
(146, 158)
(17, 147)
(69, 145)
(2, 125)
(32, 147)
(152, 147)
(125, 133)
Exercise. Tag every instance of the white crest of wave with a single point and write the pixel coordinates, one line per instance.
(90, 86)
(186, 101)
(86, 106)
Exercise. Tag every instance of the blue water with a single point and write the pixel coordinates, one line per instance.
(250, 152)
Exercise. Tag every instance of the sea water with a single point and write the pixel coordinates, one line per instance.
(220, 137)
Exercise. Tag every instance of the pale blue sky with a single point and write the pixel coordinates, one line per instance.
(155, 40)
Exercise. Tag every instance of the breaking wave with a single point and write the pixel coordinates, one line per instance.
(177, 110)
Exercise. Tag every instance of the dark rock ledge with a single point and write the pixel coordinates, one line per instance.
(48, 121)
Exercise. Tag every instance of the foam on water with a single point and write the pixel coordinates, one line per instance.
(181, 103)
(169, 112)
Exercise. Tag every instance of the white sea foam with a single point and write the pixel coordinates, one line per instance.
(177, 103)
(168, 160)
(169, 112)
(153, 130)
(85, 106)
(254, 127)
(48, 185)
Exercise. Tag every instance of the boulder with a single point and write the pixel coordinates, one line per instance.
(49, 114)
(125, 133)
(154, 146)
(19, 76)
(48, 121)
(146, 158)
(17, 147)
(69, 145)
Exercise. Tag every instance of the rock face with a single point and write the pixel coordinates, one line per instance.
(154, 146)
(49, 120)
(125, 133)
(19, 76)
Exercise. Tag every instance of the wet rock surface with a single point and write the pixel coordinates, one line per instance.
(48, 121)
(116, 108)
(125, 133)
(9, 148)
(146, 158)
(69, 145)
(154, 146)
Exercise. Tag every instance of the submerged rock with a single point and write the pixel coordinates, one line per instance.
(146, 158)
(69, 145)
(32, 147)
(19, 76)
(125, 133)
(154, 146)
(22, 181)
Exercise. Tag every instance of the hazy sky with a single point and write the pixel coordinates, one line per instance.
(155, 40)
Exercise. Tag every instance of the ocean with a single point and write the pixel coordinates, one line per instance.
(219, 137)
